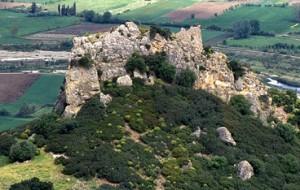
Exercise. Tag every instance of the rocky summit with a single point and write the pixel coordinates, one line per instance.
(111, 50)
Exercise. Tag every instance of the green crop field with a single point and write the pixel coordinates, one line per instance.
(16, 25)
(43, 92)
(155, 12)
(263, 42)
(272, 19)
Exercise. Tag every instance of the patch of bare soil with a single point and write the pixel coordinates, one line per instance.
(9, 5)
(204, 10)
(13, 86)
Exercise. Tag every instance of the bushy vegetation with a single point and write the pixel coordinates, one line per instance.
(236, 68)
(22, 151)
(32, 184)
(241, 104)
(85, 61)
(99, 144)
(186, 78)
(289, 101)
(153, 64)
(164, 32)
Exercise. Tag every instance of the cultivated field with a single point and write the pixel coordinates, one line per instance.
(201, 10)
(13, 86)
(14, 26)
(272, 19)
(41, 94)
(9, 5)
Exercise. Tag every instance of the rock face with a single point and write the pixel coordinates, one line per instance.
(245, 170)
(111, 50)
(225, 135)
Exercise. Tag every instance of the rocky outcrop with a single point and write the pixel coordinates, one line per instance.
(124, 81)
(225, 135)
(111, 50)
(245, 170)
(81, 85)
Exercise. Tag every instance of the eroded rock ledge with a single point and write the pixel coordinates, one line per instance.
(111, 50)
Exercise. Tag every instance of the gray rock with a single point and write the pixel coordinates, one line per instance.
(225, 135)
(239, 86)
(124, 81)
(245, 170)
(197, 133)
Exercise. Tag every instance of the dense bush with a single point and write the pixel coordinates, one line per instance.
(6, 141)
(237, 69)
(32, 184)
(186, 78)
(164, 32)
(157, 64)
(241, 104)
(136, 62)
(286, 131)
(22, 151)
(123, 141)
(85, 62)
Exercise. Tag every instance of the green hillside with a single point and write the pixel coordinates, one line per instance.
(145, 134)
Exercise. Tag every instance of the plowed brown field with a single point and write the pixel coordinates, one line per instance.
(13, 86)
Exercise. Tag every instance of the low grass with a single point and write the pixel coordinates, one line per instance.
(41, 166)
(14, 26)
(263, 41)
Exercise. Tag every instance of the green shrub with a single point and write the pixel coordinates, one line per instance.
(241, 104)
(32, 184)
(22, 151)
(6, 141)
(186, 78)
(93, 109)
(4, 112)
(166, 72)
(164, 32)
(25, 111)
(237, 69)
(136, 62)
(86, 61)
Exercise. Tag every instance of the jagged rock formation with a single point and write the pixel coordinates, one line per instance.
(225, 135)
(245, 170)
(110, 52)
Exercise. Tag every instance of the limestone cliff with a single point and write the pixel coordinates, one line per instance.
(111, 50)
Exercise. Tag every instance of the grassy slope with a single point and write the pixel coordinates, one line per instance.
(23, 25)
(42, 167)
(44, 91)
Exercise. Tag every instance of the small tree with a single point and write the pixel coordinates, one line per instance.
(107, 16)
(32, 184)
(22, 151)
(241, 29)
(33, 8)
(237, 69)
(136, 62)
(241, 104)
(186, 78)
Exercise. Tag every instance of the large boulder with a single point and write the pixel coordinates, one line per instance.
(225, 135)
(245, 170)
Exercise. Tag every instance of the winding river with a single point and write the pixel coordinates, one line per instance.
(278, 84)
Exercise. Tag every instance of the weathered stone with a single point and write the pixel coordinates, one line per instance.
(124, 81)
(197, 133)
(105, 98)
(81, 85)
(137, 74)
(111, 50)
(245, 170)
(225, 135)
